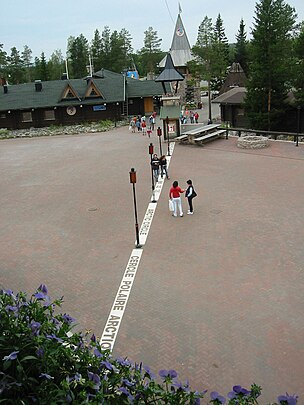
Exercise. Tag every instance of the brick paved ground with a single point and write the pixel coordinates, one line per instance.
(218, 295)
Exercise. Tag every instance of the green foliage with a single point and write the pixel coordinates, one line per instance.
(43, 362)
(299, 67)
(271, 56)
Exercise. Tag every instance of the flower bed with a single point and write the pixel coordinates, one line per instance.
(43, 362)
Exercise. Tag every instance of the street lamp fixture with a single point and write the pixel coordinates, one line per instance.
(168, 137)
(159, 134)
(133, 182)
(151, 151)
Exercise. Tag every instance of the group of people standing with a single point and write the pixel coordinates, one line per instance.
(186, 115)
(175, 196)
(139, 122)
(159, 164)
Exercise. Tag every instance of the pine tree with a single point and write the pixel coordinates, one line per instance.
(15, 67)
(241, 47)
(56, 65)
(271, 51)
(3, 62)
(78, 51)
(150, 53)
(97, 51)
(205, 64)
(299, 68)
(27, 62)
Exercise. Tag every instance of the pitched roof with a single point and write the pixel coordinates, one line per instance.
(235, 95)
(235, 78)
(169, 74)
(180, 48)
(108, 86)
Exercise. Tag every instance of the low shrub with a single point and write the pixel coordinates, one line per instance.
(43, 362)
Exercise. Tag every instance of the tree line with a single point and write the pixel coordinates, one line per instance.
(273, 59)
(108, 49)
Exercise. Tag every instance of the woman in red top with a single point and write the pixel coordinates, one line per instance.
(174, 195)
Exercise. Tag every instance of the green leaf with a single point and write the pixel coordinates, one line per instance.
(28, 358)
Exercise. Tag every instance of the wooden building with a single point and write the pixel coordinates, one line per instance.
(105, 95)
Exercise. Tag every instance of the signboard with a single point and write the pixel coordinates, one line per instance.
(171, 128)
(99, 107)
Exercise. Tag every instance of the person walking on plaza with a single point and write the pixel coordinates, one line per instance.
(143, 127)
(190, 194)
(174, 195)
(163, 166)
(155, 166)
(196, 116)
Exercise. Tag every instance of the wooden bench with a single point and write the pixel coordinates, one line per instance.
(200, 130)
(181, 138)
(209, 137)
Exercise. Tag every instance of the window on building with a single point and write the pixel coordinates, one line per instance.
(49, 115)
(2, 116)
(26, 116)
(240, 111)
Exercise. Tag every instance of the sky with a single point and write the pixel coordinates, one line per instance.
(45, 25)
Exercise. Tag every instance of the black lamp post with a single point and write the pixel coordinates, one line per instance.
(133, 182)
(151, 151)
(298, 123)
(168, 137)
(159, 134)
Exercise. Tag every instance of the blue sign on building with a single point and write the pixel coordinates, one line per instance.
(99, 107)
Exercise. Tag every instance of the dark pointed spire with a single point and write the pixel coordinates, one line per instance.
(169, 74)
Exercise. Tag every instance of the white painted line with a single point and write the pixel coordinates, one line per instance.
(111, 329)
(110, 332)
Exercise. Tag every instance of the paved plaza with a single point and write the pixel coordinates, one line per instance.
(218, 296)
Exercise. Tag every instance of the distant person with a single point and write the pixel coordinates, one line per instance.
(138, 125)
(191, 117)
(163, 166)
(155, 166)
(149, 132)
(209, 121)
(174, 195)
(196, 116)
(190, 194)
(143, 127)
(132, 125)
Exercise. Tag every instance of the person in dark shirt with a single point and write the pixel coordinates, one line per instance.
(155, 166)
(163, 166)
(190, 194)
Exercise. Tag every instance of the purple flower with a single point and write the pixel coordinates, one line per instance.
(40, 352)
(35, 326)
(47, 376)
(123, 362)
(43, 288)
(53, 336)
(107, 365)
(126, 392)
(95, 379)
(127, 382)
(167, 373)
(68, 319)
(9, 293)
(11, 356)
(239, 390)
(215, 396)
(11, 308)
(149, 372)
(97, 353)
(93, 338)
(288, 399)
